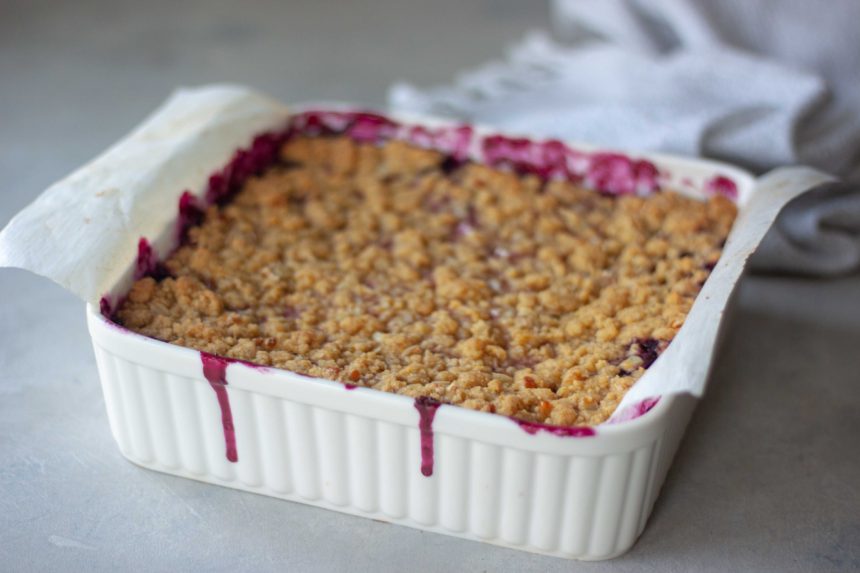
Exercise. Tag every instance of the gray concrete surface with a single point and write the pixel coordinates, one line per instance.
(768, 478)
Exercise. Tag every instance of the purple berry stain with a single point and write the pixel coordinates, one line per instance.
(648, 350)
(245, 163)
(561, 431)
(148, 264)
(105, 307)
(644, 406)
(722, 185)
(636, 410)
(453, 141)
(146, 259)
(609, 173)
(370, 127)
(190, 215)
(450, 164)
(426, 412)
(215, 372)
(617, 174)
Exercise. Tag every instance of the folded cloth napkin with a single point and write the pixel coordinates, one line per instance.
(735, 80)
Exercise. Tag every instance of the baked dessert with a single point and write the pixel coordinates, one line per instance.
(399, 268)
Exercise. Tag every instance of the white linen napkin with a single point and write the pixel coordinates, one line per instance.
(729, 80)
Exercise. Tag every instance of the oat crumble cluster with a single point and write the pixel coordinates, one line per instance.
(381, 266)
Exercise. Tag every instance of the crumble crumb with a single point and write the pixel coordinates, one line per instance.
(377, 266)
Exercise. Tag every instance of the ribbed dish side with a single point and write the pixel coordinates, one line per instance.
(583, 507)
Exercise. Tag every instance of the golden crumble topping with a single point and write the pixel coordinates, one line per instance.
(379, 267)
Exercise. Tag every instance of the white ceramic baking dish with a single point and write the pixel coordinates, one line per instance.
(575, 494)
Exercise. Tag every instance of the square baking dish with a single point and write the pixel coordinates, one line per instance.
(578, 493)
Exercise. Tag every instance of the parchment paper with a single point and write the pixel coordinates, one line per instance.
(684, 365)
(82, 232)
